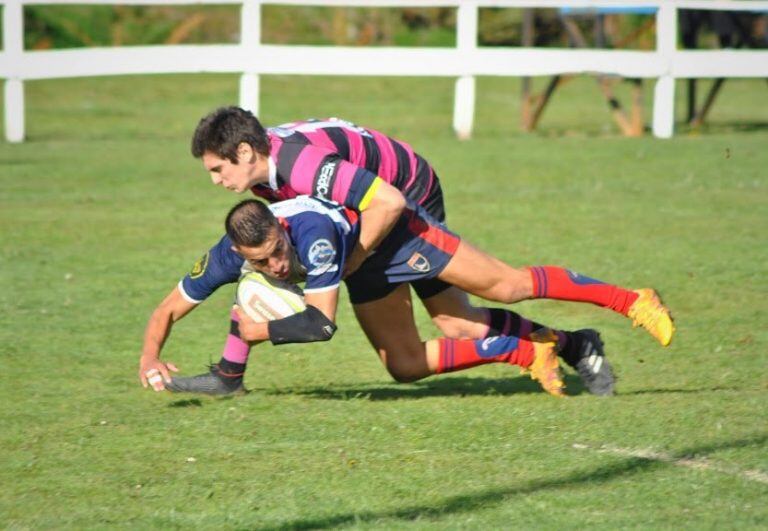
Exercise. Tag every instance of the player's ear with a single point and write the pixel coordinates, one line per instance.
(245, 152)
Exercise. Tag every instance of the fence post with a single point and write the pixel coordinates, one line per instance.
(13, 47)
(664, 92)
(250, 40)
(464, 94)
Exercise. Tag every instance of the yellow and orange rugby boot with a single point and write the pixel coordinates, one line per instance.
(649, 312)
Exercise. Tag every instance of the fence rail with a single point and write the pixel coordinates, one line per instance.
(466, 60)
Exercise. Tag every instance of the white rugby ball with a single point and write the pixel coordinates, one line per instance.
(263, 298)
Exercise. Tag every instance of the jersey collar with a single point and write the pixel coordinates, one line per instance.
(272, 172)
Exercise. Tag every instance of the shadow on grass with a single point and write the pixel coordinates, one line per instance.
(457, 386)
(198, 402)
(673, 391)
(453, 386)
(725, 127)
(191, 402)
(490, 497)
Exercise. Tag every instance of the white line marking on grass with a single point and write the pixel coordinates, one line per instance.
(696, 463)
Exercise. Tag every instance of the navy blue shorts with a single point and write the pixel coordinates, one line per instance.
(417, 249)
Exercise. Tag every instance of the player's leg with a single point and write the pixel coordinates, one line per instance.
(451, 311)
(457, 318)
(225, 377)
(389, 325)
(483, 275)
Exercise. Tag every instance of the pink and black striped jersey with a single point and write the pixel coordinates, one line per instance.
(339, 161)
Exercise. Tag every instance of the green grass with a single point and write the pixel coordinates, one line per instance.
(103, 210)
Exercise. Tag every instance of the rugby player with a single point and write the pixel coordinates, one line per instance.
(315, 237)
(365, 170)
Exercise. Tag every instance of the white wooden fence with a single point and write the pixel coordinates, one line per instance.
(251, 58)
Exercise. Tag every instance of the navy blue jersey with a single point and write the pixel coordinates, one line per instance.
(321, 233)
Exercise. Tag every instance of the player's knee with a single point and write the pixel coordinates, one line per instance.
(404, 372)
(404, 377)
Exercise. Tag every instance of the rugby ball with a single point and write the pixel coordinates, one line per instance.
(263, 298)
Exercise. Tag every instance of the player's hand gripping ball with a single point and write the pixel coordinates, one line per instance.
(263, 298)
(154, 379)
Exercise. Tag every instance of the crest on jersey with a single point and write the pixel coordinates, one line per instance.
(418, 262)
(321, 255)
(200, 266)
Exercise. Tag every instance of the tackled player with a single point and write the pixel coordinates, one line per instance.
(315, 237)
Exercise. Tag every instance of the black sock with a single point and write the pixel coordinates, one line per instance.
(506, 322)
(230, 369)
(571, 353)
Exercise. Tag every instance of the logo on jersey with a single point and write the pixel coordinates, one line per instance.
(418, 262)
(321, 256)
(325, 179)
(200, 266)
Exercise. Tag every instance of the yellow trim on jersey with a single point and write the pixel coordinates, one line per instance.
(370, 193)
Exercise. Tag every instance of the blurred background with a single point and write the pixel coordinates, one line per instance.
(623, 100)
(51, 26)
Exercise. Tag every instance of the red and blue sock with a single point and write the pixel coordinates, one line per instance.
(504, 322)
(460, 354)
(552, 282)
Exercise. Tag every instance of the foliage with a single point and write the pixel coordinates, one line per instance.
(79, 25)
(103, 210)
(73, 26)
(57, 26)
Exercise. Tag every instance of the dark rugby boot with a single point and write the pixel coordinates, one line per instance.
(584, 352)
(214, 382)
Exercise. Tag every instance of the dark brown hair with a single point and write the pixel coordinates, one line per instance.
(224, 129)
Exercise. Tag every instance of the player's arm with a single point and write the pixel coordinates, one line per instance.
(315, 323)
(219, 266)
(322, 174)
(170, 310)
(318, 248)
(380, 209)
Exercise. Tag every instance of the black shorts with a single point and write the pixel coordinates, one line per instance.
(362, 290)
(366, 287)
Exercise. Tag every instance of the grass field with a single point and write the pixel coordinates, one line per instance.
(103, 210)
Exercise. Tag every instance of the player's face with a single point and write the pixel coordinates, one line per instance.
(250, 169)
(273, 257)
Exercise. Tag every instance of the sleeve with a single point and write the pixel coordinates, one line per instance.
(321, 251)
(220, 265)
(319, 172)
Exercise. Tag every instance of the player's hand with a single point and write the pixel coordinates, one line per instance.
(250, 330)
(354, 260)
(154, 372)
